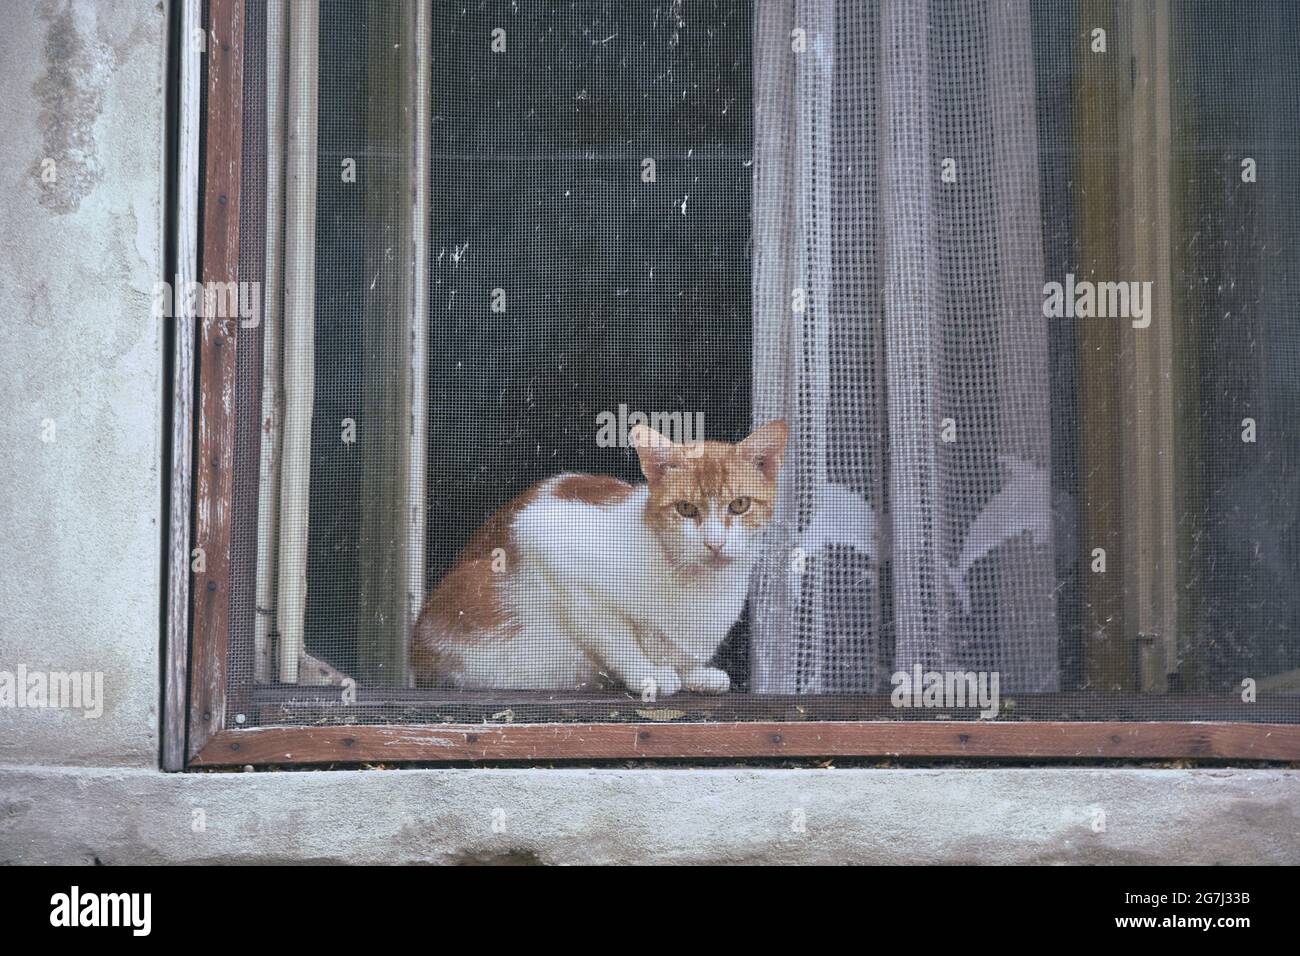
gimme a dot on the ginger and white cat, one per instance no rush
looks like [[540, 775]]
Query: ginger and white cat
[[586, 581]]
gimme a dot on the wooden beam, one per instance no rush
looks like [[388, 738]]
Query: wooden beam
[[393, 429], [299, 333], [1148, 369], [1128, 375], [299, 706], [947, 739], [384, 434], [188, 120], [268, 494], [1102, 86], [417, 500], [218, 339]]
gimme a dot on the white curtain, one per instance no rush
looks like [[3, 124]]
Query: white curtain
[[898, 277]]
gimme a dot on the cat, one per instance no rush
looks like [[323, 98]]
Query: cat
[[586, 581]]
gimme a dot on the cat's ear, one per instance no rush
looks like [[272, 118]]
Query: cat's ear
[[656, 452], [764, 448]]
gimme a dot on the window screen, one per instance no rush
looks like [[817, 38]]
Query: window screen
[[1015, 278]]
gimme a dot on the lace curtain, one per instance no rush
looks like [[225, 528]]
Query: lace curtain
[[898, 327]]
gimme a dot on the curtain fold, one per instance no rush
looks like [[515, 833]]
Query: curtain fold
[[898, 274]]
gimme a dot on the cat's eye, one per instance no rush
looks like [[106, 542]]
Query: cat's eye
[[739, 505], [687, 510]]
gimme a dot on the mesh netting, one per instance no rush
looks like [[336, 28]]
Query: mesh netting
[[1017, 276]]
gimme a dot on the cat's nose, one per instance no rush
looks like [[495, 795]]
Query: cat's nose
[[715, 548]]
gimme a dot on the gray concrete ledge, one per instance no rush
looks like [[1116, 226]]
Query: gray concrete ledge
[[958, 816]]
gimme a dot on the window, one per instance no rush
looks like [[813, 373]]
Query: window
[[1015, 278]]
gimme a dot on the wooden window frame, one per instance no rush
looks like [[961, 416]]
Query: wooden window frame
[[195, 734]]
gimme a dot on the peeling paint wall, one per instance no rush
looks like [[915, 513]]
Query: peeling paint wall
[[81, 367]]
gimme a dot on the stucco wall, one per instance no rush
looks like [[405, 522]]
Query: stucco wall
[[653, 815], [82, 85], [80, 583]]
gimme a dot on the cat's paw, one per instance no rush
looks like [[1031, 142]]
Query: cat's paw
[[708, 680], [658, 682]]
